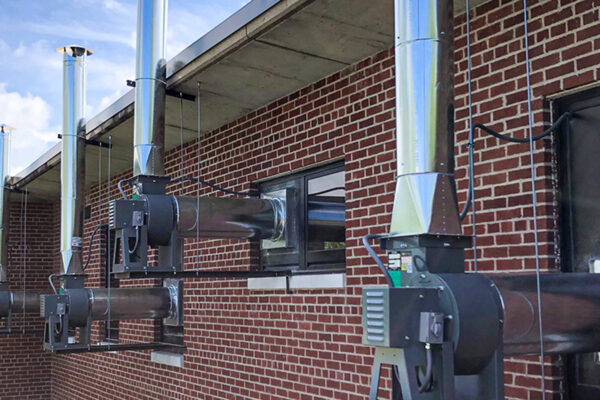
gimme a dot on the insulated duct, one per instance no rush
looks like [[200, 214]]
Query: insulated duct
[[72, 166], [5, 133], [425, 198], [150, 87]]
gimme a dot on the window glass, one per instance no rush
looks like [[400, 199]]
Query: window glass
[[315, 220]]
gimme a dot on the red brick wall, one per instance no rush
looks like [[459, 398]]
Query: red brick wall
[[564, 42], [267, 345], [270, 345], [24, 367]]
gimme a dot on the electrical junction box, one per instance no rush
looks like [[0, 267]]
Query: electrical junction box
[[392, 316]]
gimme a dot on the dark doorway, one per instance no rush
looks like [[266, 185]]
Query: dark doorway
[[578, 148]]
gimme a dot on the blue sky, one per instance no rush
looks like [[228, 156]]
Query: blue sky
[[30, 67]]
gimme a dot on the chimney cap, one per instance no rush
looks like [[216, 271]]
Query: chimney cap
[[6, 128], [74, 50]]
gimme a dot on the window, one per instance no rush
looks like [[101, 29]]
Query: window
[[579, 170], [315, 213]]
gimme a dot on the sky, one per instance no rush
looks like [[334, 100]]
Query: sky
[[31, 69]]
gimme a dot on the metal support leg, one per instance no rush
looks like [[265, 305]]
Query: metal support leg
[[405, 360], [375, 373]]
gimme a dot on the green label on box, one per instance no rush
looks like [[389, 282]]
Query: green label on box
[[396, 278]]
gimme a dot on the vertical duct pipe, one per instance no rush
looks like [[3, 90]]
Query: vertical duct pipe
[[150, 87], [72, 168], [425, 200], [5, 133]]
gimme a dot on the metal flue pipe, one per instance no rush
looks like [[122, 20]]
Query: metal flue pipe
[[224, 217], [150, 87], [5, 133], [124, 303], [72, 166], [571, 313], [425, 199]]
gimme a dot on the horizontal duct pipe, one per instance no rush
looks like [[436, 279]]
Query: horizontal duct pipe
[[570, 313], [124, 303], [28, 301], [135, 303], [224, 217], [12, 302]]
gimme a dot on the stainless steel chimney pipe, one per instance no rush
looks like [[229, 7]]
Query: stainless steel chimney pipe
[[72, 166], [5, 134], [150, 87], [425, 199]]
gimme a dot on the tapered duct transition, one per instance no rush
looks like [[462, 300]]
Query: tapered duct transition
[[150, 86], [72, 166], [5, 133], [425, 199]]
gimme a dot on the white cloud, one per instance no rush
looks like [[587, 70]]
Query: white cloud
[[30, 116], [81, 32], [114, 5]]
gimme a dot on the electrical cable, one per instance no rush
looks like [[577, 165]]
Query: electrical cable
[[375, 257], [427, 383], [213, 186], [565, 117], [50, 277], [327, 191], [89, 257], [120, 186], [534, 202], [542, 135], [136, 243]]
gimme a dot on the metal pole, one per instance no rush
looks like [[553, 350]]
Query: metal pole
[[150, 86], [5, 133], [72, 166]]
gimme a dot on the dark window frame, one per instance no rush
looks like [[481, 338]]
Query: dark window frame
[[302, 259], [577, 364]]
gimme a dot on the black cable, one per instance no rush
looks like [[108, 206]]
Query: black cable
[[489, 131], [50, 277], [89, 257], [216, 187], [542, 135], [375, 257], [120, 186], [327, 191], [427, 382], [137, 241]]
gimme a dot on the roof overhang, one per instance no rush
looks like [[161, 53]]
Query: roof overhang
[[266, 50]]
